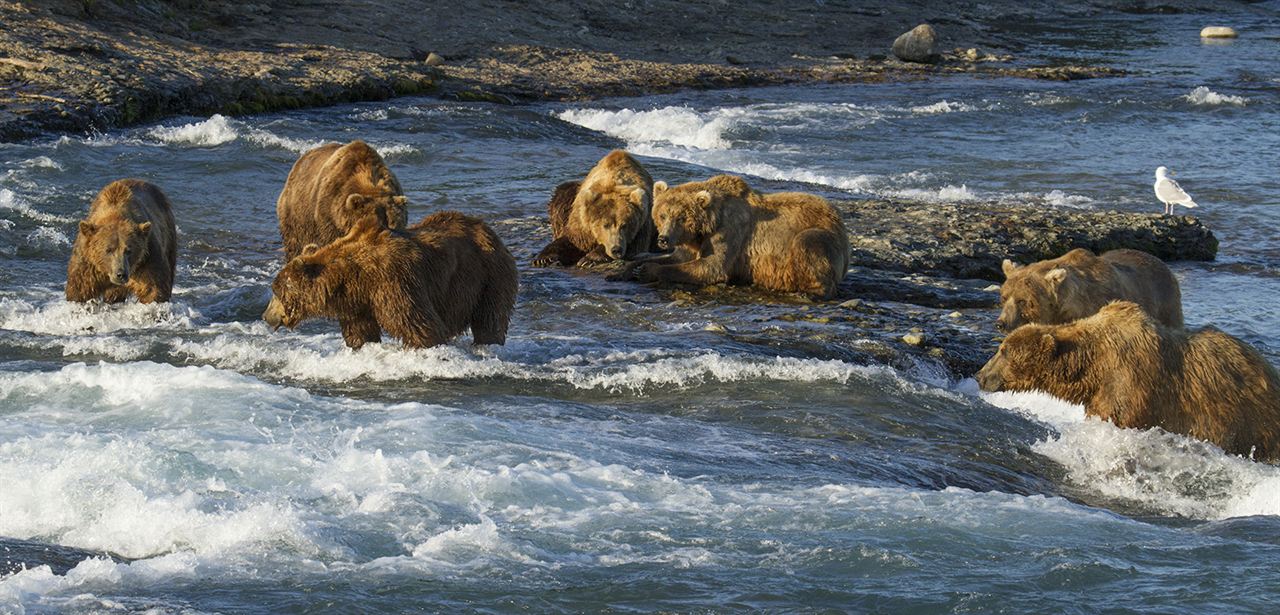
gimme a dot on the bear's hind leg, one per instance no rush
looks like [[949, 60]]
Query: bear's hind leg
[[816, 259], [489, 322]]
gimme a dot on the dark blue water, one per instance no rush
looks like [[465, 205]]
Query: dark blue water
[[623, 452]]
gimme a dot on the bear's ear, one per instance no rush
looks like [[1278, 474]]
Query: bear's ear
[[87, 228], [637, 196], [659, 186], [588, 195], [703, 198], [1048, 345], [1009, 267], [144, 228], [356, 201], [1055, 277], [312, 270], [310, 249], [400, 200]]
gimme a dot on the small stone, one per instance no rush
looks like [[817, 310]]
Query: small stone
[[716, 327], [1218, 32], [916, 45], [851, 304], [913, 339], [954, 315], [970, 54], [434, 59], [735, 60], [994, 288]]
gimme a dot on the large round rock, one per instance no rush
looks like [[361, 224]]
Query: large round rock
[[916, 45]]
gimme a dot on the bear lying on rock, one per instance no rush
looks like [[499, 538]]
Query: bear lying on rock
[[424, 285], [1126, 368], [1079, 283], [333, 187], [127, 244], [604, 217], [720, 230]]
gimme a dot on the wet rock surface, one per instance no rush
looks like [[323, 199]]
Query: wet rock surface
[[970, 240], [17, 555]]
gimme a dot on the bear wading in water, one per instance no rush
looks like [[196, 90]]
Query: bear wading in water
[[722, 231], [424, 285], [604, 217], [1126, 368], [333, 187], [127, 244], [1078, 284]]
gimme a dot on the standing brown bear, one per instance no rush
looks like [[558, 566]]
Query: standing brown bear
[[424, 285], [1079, 283], [604, 217], [1126, 368], [721, 230], [333, 187], [127, 244]]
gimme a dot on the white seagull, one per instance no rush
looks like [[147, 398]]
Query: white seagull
[[1170, 193]]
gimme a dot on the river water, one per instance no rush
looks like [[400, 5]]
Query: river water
[[623, 452]]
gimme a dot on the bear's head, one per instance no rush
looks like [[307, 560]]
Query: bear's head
[[1025, 361], [615, 214], [1032, 294], [687, 214], [321, 281], [388, 210], [1058, 359], [115, 246]]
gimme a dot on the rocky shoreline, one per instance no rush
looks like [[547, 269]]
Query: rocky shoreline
[[93, 65]]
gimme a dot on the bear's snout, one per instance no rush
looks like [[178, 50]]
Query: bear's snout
[[663, 242], [989, 377], [274, 314], [616, 252]]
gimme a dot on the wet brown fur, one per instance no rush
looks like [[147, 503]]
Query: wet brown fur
[[603, 217], [333, 187], [424, 285], [1126, 368], [721, 230], [1079, 283], [129, 231]]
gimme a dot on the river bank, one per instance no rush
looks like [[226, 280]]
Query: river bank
[[81, 66]]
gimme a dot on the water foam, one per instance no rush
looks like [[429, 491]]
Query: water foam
[[58, 317], [214, 131], [1203, 96], [11, 201], [678, 126], [48, 237], [1151, 469]]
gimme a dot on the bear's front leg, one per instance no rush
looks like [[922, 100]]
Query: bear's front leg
[[700, 272], [596, 256], [357, 332], [115, 294], [561, 252], [151, 286]]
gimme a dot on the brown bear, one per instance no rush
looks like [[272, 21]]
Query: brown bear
[[601, 218], [127, 244], [330, 189], [424, 285], [1079, 283], [721, 230], [1126, 368]]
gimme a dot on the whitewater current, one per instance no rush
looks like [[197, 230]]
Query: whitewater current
[[623, 452]]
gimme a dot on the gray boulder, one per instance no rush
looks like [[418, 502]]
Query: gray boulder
[[916, 45]]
